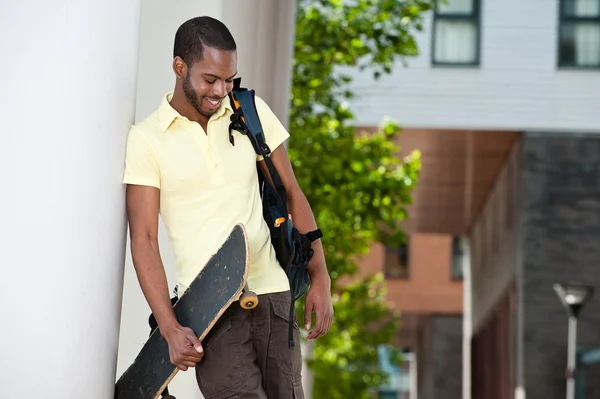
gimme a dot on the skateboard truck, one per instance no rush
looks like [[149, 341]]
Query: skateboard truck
[[249, 299]]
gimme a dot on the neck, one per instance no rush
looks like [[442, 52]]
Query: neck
[[180, 103]]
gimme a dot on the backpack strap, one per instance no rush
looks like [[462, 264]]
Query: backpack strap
[[245, 120]]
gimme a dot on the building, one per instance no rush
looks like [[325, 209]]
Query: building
[[503, 103]]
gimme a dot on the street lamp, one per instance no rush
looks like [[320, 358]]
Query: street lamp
[[573, 297]]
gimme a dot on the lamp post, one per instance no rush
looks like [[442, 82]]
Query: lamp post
[[573, 297]]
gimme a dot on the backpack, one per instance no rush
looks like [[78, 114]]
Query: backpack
[[292, 248]]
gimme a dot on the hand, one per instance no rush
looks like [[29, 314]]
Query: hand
[[184, 348], [318, 300]]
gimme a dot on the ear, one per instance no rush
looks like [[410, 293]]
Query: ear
[[179, 67]]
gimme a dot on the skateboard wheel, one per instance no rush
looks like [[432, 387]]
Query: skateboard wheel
[[248, 300]]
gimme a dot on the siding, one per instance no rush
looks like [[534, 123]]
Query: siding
[[517, 86]]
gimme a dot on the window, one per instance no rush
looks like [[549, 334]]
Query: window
[[401, 378], [456, 33], [459, 256], [579, 36], [396, 261]]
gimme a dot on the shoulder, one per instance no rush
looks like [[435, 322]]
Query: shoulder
[[263, 109], [148, 127], [275, 132], [146, 133]]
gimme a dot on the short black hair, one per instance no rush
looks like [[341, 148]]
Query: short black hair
[[194, 34]]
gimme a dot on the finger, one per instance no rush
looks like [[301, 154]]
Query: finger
[[198, 347], [314, 334], [193, 357], [192, 353], [326, 324], [191, 337], [319, 331], [192, 360], [308, 308], [182, 367], [188, 363], [323, 328], [193, 350], [319, 323]]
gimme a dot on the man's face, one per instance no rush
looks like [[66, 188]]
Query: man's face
[[209, 81]]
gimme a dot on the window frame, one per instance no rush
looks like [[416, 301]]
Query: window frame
[[475, 15], [562, 19]]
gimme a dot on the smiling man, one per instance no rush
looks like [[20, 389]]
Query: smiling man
[[181, 164]]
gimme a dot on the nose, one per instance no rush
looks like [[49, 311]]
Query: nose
[[219, 89]]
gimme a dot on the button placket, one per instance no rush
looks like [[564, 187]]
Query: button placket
[[216, 161]]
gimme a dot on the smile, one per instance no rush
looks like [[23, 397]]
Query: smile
[[214, 103]]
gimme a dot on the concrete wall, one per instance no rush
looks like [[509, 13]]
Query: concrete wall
[[494, 242], [261, 53], [68, 76], [516, 87], [560, 182]]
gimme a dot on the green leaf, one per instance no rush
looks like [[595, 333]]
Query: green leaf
[[357, 187]]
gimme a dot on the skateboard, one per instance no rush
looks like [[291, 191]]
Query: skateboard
[[216, 287]]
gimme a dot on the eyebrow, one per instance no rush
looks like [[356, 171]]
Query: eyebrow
[[210, 75]]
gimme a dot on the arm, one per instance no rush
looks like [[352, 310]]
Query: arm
[[299, 208], [318, 299], [142, 211]]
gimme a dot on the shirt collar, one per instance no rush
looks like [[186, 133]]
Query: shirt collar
[[167, 114]]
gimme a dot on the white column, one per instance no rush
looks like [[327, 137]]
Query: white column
[[264, 33], [264, 62], [467, 319], [467, 271], [68, 78]]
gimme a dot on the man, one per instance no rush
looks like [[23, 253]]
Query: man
[[181, 163]]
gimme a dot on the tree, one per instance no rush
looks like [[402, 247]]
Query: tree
[[357, 186]]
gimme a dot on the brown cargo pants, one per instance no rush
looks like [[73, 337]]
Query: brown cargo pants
[[246, 354]]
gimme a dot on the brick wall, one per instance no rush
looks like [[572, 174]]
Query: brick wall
[[429, 287], [560, 221]]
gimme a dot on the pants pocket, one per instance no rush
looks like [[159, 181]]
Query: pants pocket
[[288, 360], [219, 374], [298, 391]]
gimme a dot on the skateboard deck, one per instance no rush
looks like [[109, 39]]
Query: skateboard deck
[[215, 288]]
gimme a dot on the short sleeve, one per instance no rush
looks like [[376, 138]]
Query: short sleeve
[[275, 133], [141, 164]]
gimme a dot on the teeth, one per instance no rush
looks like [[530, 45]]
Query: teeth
[[213, 102]]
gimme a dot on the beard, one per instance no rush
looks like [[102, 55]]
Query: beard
[[192, 97]]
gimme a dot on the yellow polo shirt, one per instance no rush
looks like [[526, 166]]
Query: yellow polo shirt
[[207, 186]]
